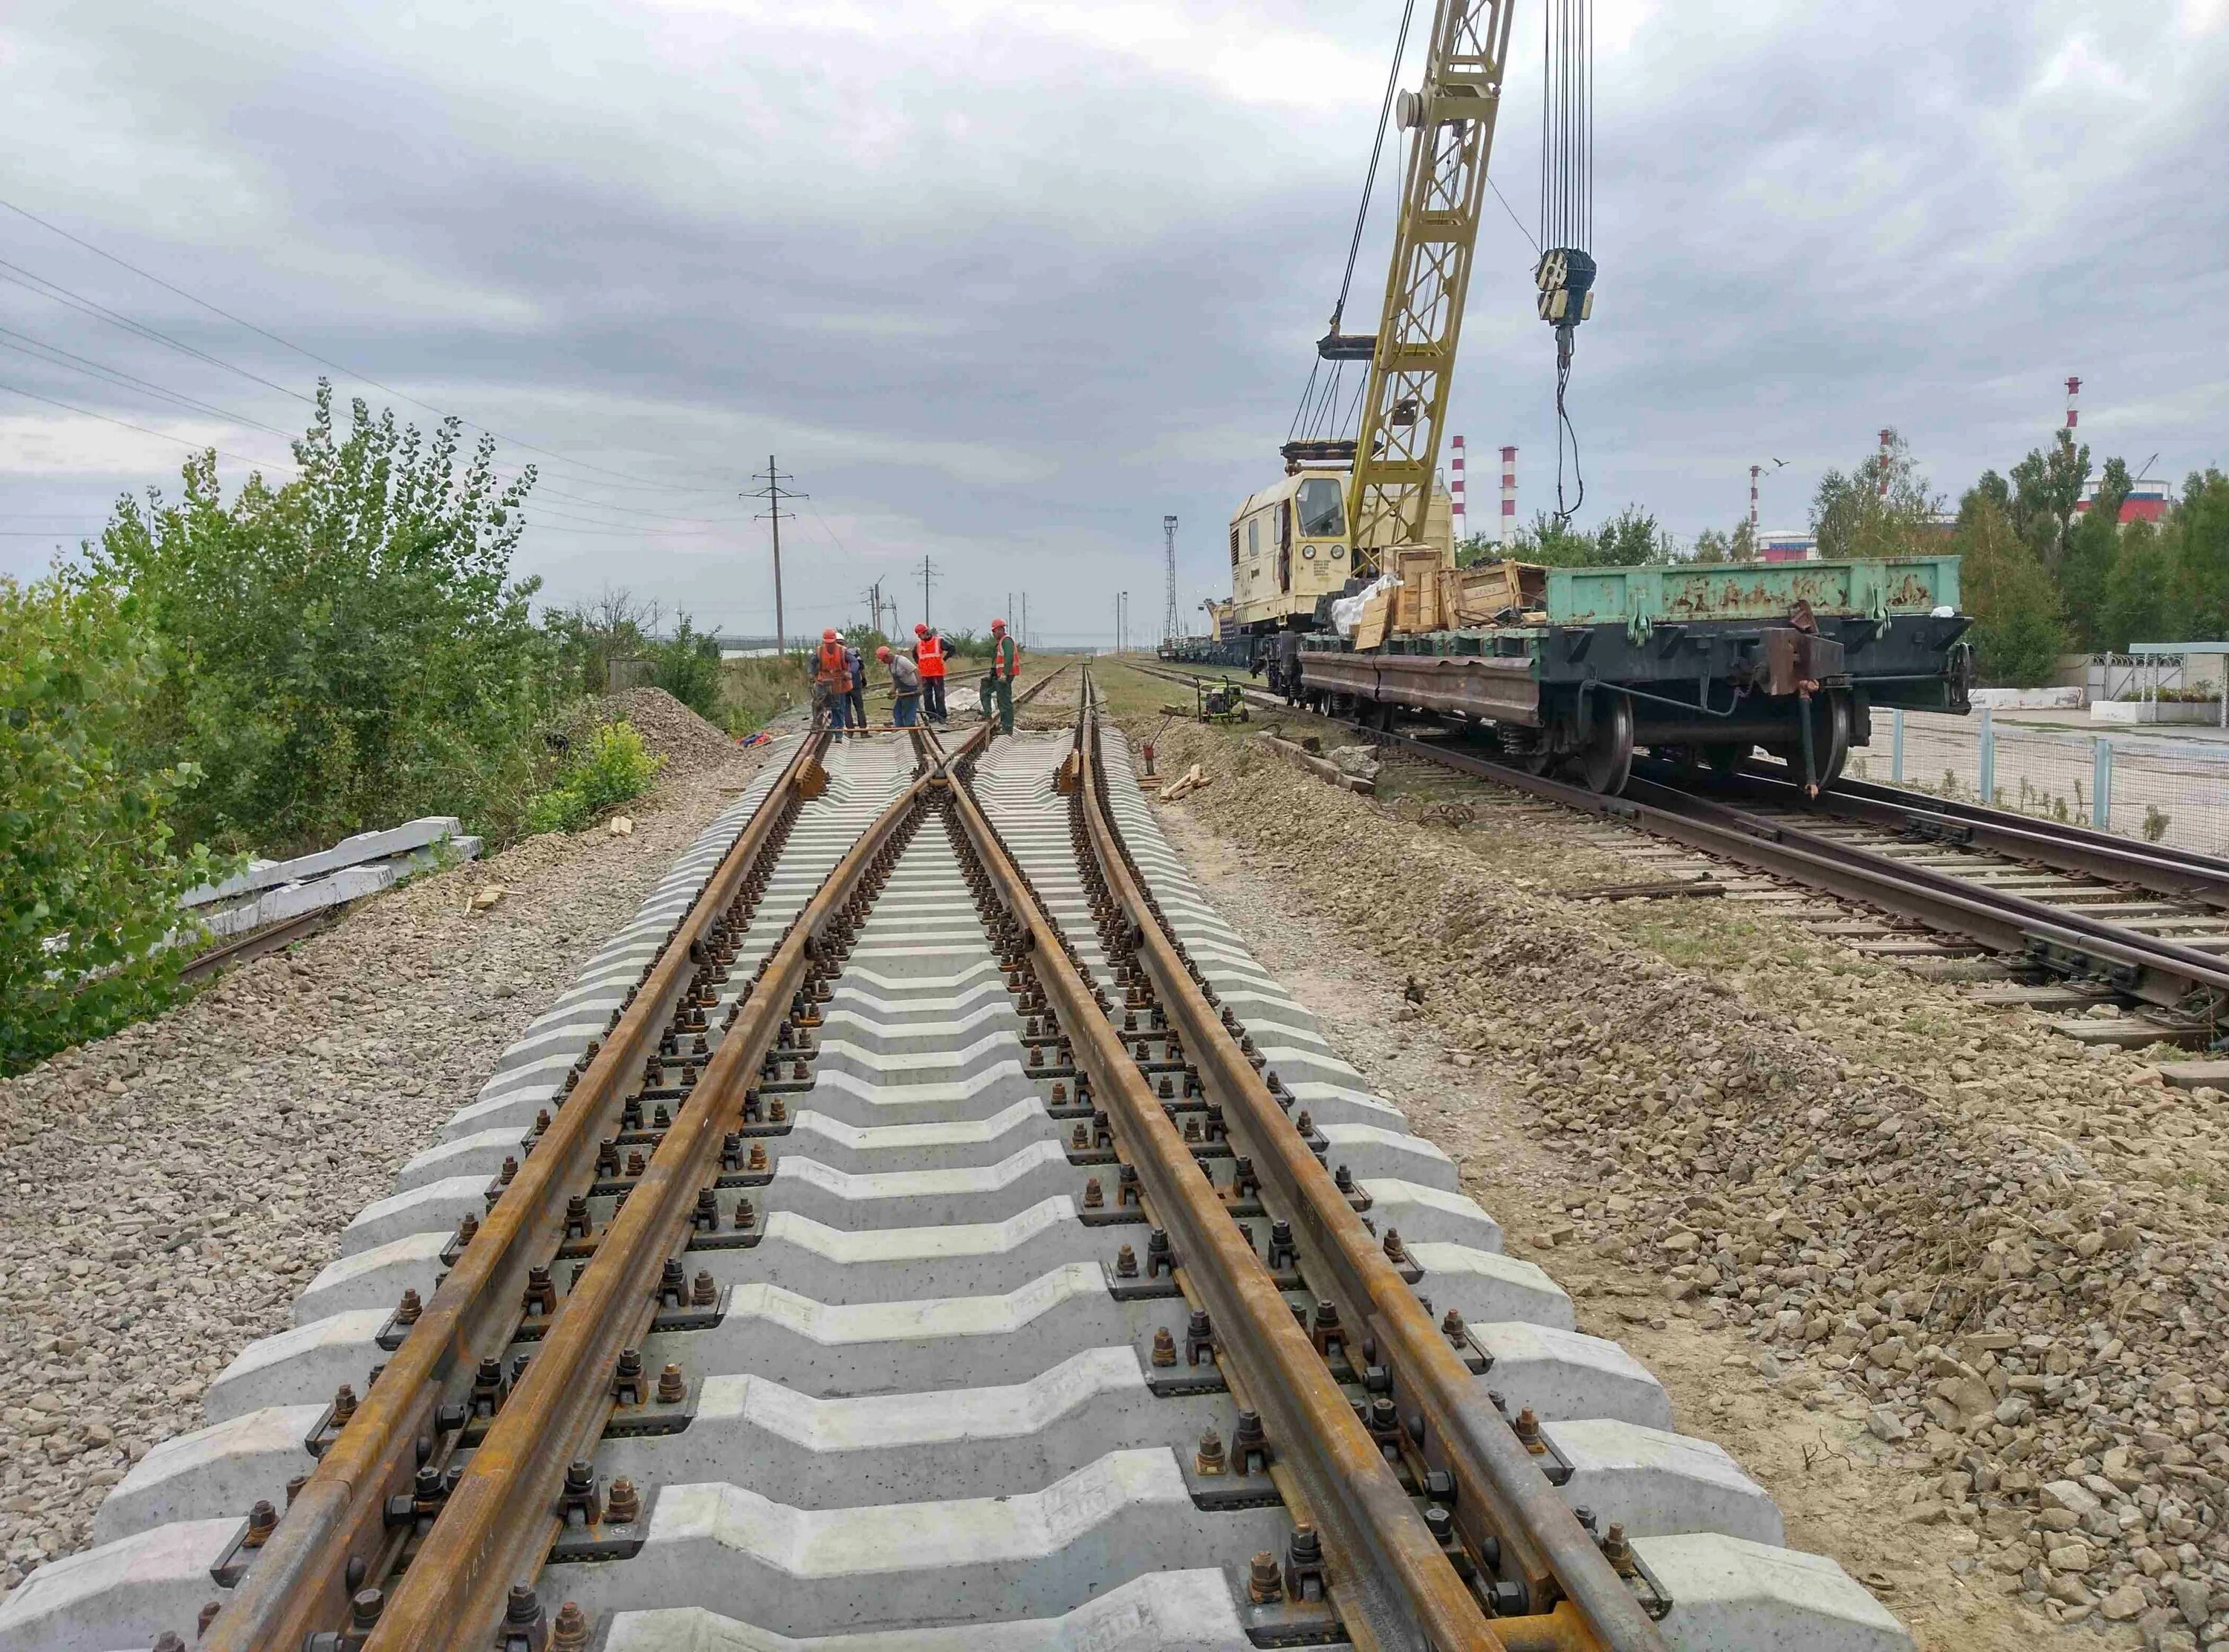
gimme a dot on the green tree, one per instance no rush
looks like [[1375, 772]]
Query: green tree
[[1475, 548], [2198, 583], [1631, 538], [687, 666], [347, 650], [593, 636], [1852, 515], [2135, 590], [2047, 486], [2019, 629], [89, 879], [1741, 544], [2086, 567], [1713, 545]]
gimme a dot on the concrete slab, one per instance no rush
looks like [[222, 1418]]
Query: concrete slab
[[895, 1566], [1166, 1611]]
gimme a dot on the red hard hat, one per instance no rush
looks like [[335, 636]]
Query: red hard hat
[[828, 636], [998, 624], [883, 652], [920, 631]]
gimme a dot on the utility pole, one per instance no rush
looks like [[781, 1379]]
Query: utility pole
[[773, 493], [1172, 622], [1025, 619]]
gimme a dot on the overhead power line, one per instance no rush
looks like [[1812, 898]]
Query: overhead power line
[[39, 350], [125, 423], [310, 354]]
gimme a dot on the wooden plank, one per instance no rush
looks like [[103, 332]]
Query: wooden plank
[[1322, 767]]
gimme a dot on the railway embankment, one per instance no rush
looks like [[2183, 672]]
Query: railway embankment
[[170, 1190], [1953, 1285]]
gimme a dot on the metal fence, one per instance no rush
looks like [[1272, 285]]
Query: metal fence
[[2157, 789]]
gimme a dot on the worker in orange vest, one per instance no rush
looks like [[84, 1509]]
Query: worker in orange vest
[[998, 681], [831, 680], [929, 655]]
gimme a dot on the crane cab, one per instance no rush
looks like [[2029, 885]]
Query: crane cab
[[1290, 548]]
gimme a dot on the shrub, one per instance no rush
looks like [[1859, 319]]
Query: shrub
[[687, 666], [89, 885], [609, 767], [345, 651]]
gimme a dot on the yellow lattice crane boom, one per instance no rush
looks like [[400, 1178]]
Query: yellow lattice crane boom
[[1412, 357]]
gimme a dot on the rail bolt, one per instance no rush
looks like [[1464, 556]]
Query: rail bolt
[[1265, 1582], [1304, 1565], [569, 1632]]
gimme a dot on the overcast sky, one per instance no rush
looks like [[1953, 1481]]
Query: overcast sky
[[1001, 284]]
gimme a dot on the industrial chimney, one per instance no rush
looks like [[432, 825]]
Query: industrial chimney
[[1508, 499], [1455, 491]]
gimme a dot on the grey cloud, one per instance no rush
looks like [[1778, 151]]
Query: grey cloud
[[1006, 294]]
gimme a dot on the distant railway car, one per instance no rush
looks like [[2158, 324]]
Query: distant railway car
[[1289, 549], [1705, 661]]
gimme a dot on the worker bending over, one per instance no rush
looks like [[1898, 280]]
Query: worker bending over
[[905, 686], [831, 680], [929, 655], [998, 681]]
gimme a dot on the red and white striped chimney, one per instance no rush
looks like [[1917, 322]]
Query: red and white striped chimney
[[1508, 497], [1455, 491], [1886, 437], [2073, 389], [1753, 470]]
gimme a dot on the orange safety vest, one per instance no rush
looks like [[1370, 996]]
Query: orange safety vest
[[833, 673], [1006, 658], [928, 653]]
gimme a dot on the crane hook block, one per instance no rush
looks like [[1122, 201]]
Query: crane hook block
[[1565, 277]]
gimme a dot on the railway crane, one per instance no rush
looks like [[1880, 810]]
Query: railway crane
[[1345, 504]]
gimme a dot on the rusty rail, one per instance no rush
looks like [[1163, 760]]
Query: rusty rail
[[1390, 1577], [1502, 1496], [497, 1527], [300, 1581]]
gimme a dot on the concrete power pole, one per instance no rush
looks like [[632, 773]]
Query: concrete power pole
[[927, 571], [773, 493], [1172, 621]]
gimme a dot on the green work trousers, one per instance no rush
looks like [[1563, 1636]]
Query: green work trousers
[[1001, 689]]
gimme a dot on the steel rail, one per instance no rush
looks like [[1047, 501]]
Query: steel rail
[[2184, 873], [299, 1582], [2160, 972], [1502, 1494], [496, 1527], [1386, 1565]]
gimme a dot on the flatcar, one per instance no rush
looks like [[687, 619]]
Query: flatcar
[[1581, 667]]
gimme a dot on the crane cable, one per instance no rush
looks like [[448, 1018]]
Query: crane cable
[[1566, 270], [1361, 217]]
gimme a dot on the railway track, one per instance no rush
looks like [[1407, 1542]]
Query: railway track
[[926, 1227], [2099, 918]]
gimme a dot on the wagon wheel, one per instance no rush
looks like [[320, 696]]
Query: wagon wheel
[[1607, 761]]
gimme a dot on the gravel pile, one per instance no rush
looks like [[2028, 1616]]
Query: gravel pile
[[2001, 1250], [169, 1190], [691, 744]]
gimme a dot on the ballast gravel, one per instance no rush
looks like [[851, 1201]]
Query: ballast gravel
[[166, 1192], [1995, 1255]]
